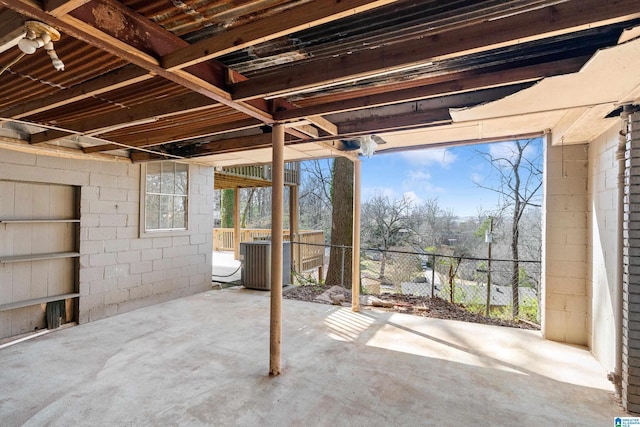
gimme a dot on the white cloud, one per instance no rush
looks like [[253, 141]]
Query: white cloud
[[418, 175], [427, 157], [412, 197], [419, 183]]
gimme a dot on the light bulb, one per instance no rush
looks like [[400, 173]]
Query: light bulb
[[28, 46]]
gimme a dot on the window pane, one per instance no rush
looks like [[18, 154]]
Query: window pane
[[168, 178], [153, 178], [179, 221], [166, 220], [179, 204], [152, 220], [181, 178], [166, 203], [153, 203], [167, 196]]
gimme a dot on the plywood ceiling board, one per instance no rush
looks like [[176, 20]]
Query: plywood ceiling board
[[610, 75]]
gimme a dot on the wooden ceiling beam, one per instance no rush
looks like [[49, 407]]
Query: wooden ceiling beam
[[424, 88], [287, 22], [419, 113], [510, 30], [11, 24], [100, 39], [396, 122]]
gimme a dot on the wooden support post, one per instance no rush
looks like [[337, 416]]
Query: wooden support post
[[293, 228], [277, 197], [355, 253], [236, 223]]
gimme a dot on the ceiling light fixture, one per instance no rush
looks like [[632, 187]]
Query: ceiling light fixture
[[41, 35]]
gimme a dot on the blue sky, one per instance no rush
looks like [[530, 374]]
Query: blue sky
[[447, 174]]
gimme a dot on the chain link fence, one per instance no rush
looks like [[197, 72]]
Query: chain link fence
[[480, 285]]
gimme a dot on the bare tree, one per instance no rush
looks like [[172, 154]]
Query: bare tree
[[315, 194], [385, 224], [519, 171]]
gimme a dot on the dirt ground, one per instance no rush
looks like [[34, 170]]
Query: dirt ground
[[409, 304]]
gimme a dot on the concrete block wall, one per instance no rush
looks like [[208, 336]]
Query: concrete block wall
[[603, 287], [564, 246], [120, 271], [631, 271]]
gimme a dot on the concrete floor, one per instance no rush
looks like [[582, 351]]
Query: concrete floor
[[203, 360]]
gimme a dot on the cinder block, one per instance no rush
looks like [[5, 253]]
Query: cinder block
[[91, 301], [127, 232], [102, 233], [116, 296], [130, 281], [116, 245], [92, 273], [162, 242], [141, 267], [142, 291], [150, 254], [113, 220], [101, 180], [100, 260], [137, 244], [118, 270], [181, 241], [129, 257]]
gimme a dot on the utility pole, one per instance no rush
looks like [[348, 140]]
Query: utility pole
[[488, 237]]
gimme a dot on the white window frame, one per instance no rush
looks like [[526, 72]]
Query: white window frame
[[143, 207]]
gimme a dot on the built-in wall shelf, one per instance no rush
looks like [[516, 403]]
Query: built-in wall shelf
[[31, 221], [35, 301], [37, 257]]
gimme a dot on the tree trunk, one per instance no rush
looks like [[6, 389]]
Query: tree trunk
[[383, 263], [226, 217], [341, 224], [243, 221]]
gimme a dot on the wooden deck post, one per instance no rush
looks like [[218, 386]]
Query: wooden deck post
[[355, 254], [277, 197], [296, 260], [236, 223]]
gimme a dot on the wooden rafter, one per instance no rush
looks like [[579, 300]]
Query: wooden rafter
[[432, 87], [96, 37], [485, 36], [289, 21]]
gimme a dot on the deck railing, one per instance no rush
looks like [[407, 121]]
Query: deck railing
[[307, 254], [264, 172]]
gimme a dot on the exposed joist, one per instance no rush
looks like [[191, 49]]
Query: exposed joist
[[396, 122], [462, 81], [214, 147], [80, 30], [299, 18], [179, 105], [510, 30], [115, 80], [172, 134], [419, 113], [10, 22]]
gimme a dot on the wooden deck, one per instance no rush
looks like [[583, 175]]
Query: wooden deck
[[307, 247]]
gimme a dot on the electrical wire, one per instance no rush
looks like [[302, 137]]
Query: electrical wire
[[229, 275], [12, 63]]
